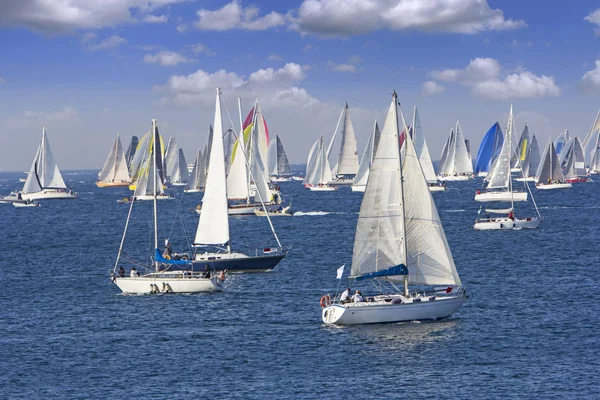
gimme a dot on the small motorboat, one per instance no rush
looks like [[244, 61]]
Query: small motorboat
[[284, 212], [26, 203]]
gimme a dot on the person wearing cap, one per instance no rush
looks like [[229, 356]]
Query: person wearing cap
[[345, 297]]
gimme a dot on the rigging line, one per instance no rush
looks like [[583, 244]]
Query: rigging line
[[252, 175]]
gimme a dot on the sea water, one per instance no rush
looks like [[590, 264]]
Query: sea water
[[528, 330]]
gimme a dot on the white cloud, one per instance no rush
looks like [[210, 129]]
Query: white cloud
[[594, 18], [341, 67], [274, 57], [307, 47], [431, 88], [487, 80], [591, 79], [110, 43], [62, 17], [181, 28], [67, 113], [200, 48], [273, 86], [234, 16], [349, 17], [155, 19], [166, 58]]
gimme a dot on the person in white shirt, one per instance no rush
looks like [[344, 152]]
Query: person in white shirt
[[345, 296], [357, 297], [134, 273]]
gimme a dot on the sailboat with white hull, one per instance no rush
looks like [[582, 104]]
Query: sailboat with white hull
[[167, 275], [346, 168], [318, 171], [500, 178], [531, 162], [212, 240], [549, 174], [399, 238], [197, 178], [278, 164], [115, 171], [455, 163]]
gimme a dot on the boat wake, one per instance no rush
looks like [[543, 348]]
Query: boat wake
[[454, 211], [310, 213]]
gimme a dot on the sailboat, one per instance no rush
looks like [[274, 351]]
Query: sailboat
[[424, 156], [167, 275], [500, 178], [591, 143], [499, 181], [360, 180], [520, 151], [347, 165], [278, 164], [197, 178], [489, 149], [213, 225], [455, 164], [44, 180], [531, 162], [131, 150], [150, 186], [575, 171], [549, 174], [399, 238], [561, 142], [180, 174], [115, 171], [318, 171]]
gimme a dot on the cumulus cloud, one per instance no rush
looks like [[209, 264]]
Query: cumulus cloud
[[67, 113], [341, 67], [200, 48], [155, 19], [487, 80], [63, 17], [594, 18], [166, 58], [274, 86], [350, 17], [234, 16], [431, 88], [109, 43], [591, 79], [274, 57]]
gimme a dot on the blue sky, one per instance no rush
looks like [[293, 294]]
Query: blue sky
[[88, 70]]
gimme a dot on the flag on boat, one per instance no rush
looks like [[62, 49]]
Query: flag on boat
[[340, 272]]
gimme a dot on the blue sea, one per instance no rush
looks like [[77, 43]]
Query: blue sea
[[528, 330]]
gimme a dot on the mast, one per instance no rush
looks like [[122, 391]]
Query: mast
[[154, 189], [405, 245], [250, 152], [509, 134]]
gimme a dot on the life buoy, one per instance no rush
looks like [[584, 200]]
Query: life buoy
[[325, 301], [167, 257]]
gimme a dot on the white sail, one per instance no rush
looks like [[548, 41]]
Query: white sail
[[197, 179], [228, 143], [311, 164], [462, 161], [444, 156], [518, 156], [171, 161], [576, 162], [367, 159], [44, 172], [532, 159], [138, 158], [499, 176], [262, 136], [180, 173], [278, 163], [348, 157], [237, 179], [115, 167], [549, 169], [146, 183], [394, 210], [213, 226], [422, 149], [257, 167]]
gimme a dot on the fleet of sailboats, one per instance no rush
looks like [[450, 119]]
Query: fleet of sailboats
[[455, 163], [115, 171]]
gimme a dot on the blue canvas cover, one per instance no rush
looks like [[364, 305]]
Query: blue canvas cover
[[163, 260], [399, 269]]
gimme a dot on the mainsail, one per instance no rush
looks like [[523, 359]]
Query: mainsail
[[575, 166], [549, 169], [532, 159], [347, 162], [197, 178], [44, 172], [277, 158], [521, 150], [115, 168], [367, 157]]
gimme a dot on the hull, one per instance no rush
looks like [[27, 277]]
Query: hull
[[322, 188], [245, 209], [237, 262], [281, 179], [11, 198], [47, 194], [149, 197], [194, 190], [297, 178], [111, 184], [501, 196], [163, 283], [358, 188], [482, 174], [386, 312], [342, 182], [579, 179], [19, 204], [506, 224], [549, 186], [528, 179], [454, 177], [437, 188]]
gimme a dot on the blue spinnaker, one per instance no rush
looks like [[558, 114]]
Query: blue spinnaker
[[489, 149]]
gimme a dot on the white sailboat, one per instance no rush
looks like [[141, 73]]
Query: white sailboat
[[399, 238], [167, 275], [590, 147], [424, 156], [531, 162], [278, 163], [360, 180], [549, 174], [151, 182], [212, 234], [318, 170], [574, 170], [115, 171], [500, 178], [171, 161], [44, 180], [518, 157], [347, 165], [455, 164], [180, 174], [197, 179]]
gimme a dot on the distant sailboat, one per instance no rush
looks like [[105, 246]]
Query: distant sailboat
[[520, 151], [318, 170], [197, 179], [115, 171], [360, 180], [562, 143], [180, 174], [44, 180], [424, 156], [531, 162], [151, 182], [489, 149], [347, 162], [391, 246], [549, 174], [500, 188], [591, 143], [455, 164], [131, 150], [575, 171], [278, 164]]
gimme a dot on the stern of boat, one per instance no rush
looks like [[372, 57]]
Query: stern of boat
[[332, 314]]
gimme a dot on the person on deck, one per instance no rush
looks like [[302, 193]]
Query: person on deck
[[122, 272], [133, 273], [168, 251], [511, 215], [345, 296], [357, 297], [206, 273]]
